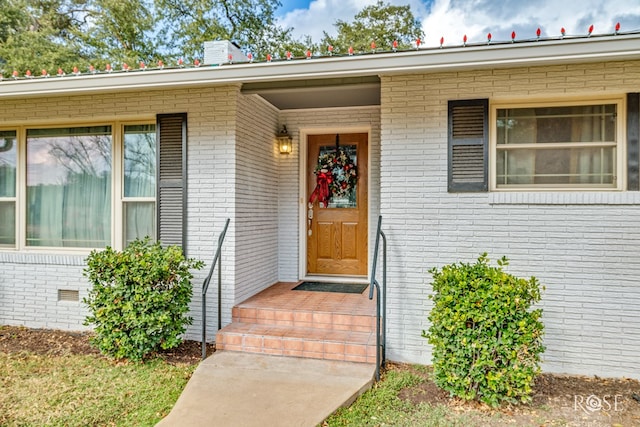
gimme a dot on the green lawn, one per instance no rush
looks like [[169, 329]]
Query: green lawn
[[72, 390], [402, 399], [89, 390], [382, 406]]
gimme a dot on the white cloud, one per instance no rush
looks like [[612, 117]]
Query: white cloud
[[476, 18], [452, 19], [320, 17]]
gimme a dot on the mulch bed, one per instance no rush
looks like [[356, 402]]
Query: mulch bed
[[567, 400], [15, 339]]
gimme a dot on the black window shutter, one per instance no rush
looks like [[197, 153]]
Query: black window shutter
[[468, 137], [633, 143], [172, 178]]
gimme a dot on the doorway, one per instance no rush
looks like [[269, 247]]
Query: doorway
[[337, 204]]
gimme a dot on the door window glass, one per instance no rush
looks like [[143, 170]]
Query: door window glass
[[346, 195]]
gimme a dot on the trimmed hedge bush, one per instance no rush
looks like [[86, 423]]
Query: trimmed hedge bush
[[140, 298], [486, 339]]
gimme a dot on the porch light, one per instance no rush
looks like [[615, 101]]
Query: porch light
[[284, 141]]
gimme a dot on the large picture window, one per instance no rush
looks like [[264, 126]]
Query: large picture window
[[81, 187], [69, 187], [565, 146]]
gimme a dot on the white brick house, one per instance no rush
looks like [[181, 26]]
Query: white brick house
[[547, 175]]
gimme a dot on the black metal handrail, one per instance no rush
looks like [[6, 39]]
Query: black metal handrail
[[381, 318], [205, 287]]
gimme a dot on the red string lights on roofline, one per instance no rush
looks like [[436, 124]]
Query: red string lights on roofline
[[394, 47]]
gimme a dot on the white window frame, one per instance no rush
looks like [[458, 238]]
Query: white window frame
[[117, 185], [121, 198], [16, 197], [620, 170]]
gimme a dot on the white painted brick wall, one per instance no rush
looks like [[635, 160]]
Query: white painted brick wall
[[256, 197], [211, 182], [584, 247], [291, 201], [29, 281], [28, 300]]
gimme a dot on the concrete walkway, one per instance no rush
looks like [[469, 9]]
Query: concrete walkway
[[244, 389]]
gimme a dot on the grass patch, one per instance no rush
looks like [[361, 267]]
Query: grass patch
[[81, 390], [384, 406], [380, 405]]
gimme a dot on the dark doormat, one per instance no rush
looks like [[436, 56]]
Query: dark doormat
[[345, 288]]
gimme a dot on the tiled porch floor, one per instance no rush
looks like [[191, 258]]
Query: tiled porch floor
[[321, 325]]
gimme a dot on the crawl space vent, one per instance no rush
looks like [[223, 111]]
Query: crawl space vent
[[68, 295]]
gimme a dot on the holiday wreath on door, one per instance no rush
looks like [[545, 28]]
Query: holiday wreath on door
[[336, 176]]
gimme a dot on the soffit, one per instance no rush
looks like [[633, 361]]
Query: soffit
[[320, 93]]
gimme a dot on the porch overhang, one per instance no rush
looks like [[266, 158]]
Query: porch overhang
[[324, 93], [480, 56]]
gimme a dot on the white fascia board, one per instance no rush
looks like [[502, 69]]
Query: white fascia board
[[533, 53]]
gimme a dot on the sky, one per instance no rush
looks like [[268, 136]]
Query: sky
[[453, 19]]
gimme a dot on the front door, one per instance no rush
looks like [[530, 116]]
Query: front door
[[337, 232]]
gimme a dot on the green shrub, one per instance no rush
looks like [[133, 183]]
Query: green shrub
[[486, 339], [139, 299]]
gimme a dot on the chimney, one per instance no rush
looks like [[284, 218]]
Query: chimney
[[217, 52]]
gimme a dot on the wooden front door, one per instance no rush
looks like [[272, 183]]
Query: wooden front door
[[337, 235]]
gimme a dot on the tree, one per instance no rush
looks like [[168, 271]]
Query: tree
[[381, 23], [12, 18], [249, 23], [121, 31], [39, 34]]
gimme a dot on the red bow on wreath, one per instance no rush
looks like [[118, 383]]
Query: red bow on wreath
[[321, 192]]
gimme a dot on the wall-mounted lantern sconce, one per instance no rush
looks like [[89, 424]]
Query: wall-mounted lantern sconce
[[284, 141]]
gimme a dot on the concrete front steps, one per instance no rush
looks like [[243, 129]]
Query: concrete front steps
[[319, 325]]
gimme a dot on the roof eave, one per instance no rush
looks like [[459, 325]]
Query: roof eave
[[506, 55]]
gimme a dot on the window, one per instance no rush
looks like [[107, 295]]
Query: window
[[68, 197], [82, 187], [139, 194], [558, 146], [8, 157]]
